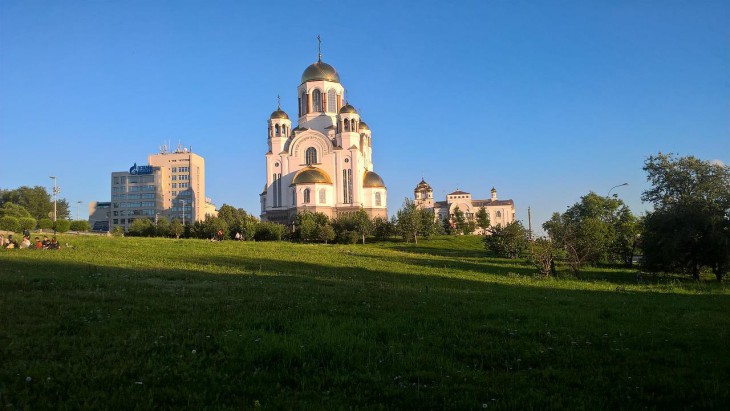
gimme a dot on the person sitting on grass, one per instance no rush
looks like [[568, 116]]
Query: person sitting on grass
[[53, 245], [10, 242], [26, 242], [38, 243], [46, 242]]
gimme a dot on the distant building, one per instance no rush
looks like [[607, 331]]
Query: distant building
[[99, 213], [501, 212], [172, 185], [325, 163]]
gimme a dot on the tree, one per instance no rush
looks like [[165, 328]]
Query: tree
[[383, 228], [36, 200], [45, 224], [176, 228], [482, 217], [509, 241], [309, 226], [595, 229], [62, 225], [459, 220], [27, 223], [9, 223], [268, 231], [409, 221], [363, 225], [542, 254], [448, 227], [429, 223], [141, 227], [13, 210], [79, 225], [162, 228], [690, 226]]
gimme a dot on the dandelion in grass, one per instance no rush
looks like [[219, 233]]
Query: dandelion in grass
[[194, 351], [28, 379]]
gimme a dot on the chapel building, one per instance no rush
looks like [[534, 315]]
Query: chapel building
[[501, 212], [325, 163]]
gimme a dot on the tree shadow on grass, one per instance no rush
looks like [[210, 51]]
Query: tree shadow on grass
[[356, 332]]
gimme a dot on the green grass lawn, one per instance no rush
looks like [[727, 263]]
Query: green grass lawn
[[123, 323]]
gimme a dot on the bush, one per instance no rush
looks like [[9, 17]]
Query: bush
[[142, 227], [9, 223], [79, 225], [62, 226], [45, 224], [27, 223], [347, 237], [268, 232], [118, 231], [508, 241]]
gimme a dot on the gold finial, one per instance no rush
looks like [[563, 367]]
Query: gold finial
[[319, 48], [278, 102]]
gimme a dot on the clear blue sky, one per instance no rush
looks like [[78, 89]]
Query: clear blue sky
[[544, 100]]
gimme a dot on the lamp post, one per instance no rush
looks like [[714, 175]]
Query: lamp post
[[56, 190], [78, 206], [620, 185], [183, 211]]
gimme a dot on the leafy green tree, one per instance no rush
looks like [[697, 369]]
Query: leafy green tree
[[308, 225], [45, 224], [13, 210], [509, 241], [459, 220], [429, 224], [9, 223], [62, 226], [383, 228], [79, 225], [325, 233], [162, 228], [141, 227], [690, 226], [482, 217], [36, 200], [27, 223], [118, 231], [448, 227], [409, 221], [176, 228], [363, 225], [268, 231], [346, 229], [542, 253]]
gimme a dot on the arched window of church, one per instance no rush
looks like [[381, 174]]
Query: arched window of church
[[352, 125], [303, 100], [317, 101], [322, 196], [293, 197], [499, 214], [311, 156], [378, 201], [347, 125], [277, 132], [306, 196], [332, 101]]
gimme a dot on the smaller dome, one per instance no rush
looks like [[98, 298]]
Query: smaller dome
[[423, 184], [371, 179], [364, 126], [347, 108], [311, 175], [278, 114]]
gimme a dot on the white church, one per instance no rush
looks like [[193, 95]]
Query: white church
[[325, 163]]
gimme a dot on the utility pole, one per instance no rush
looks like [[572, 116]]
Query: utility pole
[[56, 190], [529, 223]]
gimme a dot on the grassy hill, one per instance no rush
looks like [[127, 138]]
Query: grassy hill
[[124, 323]]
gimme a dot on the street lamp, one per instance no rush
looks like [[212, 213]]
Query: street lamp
[[183, 211], [56, 190], [78, 206], [620, 185]]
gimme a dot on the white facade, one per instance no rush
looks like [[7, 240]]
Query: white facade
[[501, 212], [324, 164]]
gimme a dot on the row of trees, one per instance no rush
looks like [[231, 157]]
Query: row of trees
[[36, 201], [688, 230], [16, 218]]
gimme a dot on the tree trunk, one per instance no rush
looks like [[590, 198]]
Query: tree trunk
[[696, 272]]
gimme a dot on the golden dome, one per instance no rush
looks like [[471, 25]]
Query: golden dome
[[279, 113], [320, 71], [371, 179], [364, 126], [423, 185], [347, 108], [311, 175]]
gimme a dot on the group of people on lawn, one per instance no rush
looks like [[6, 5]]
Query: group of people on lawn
[[46, 244]]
